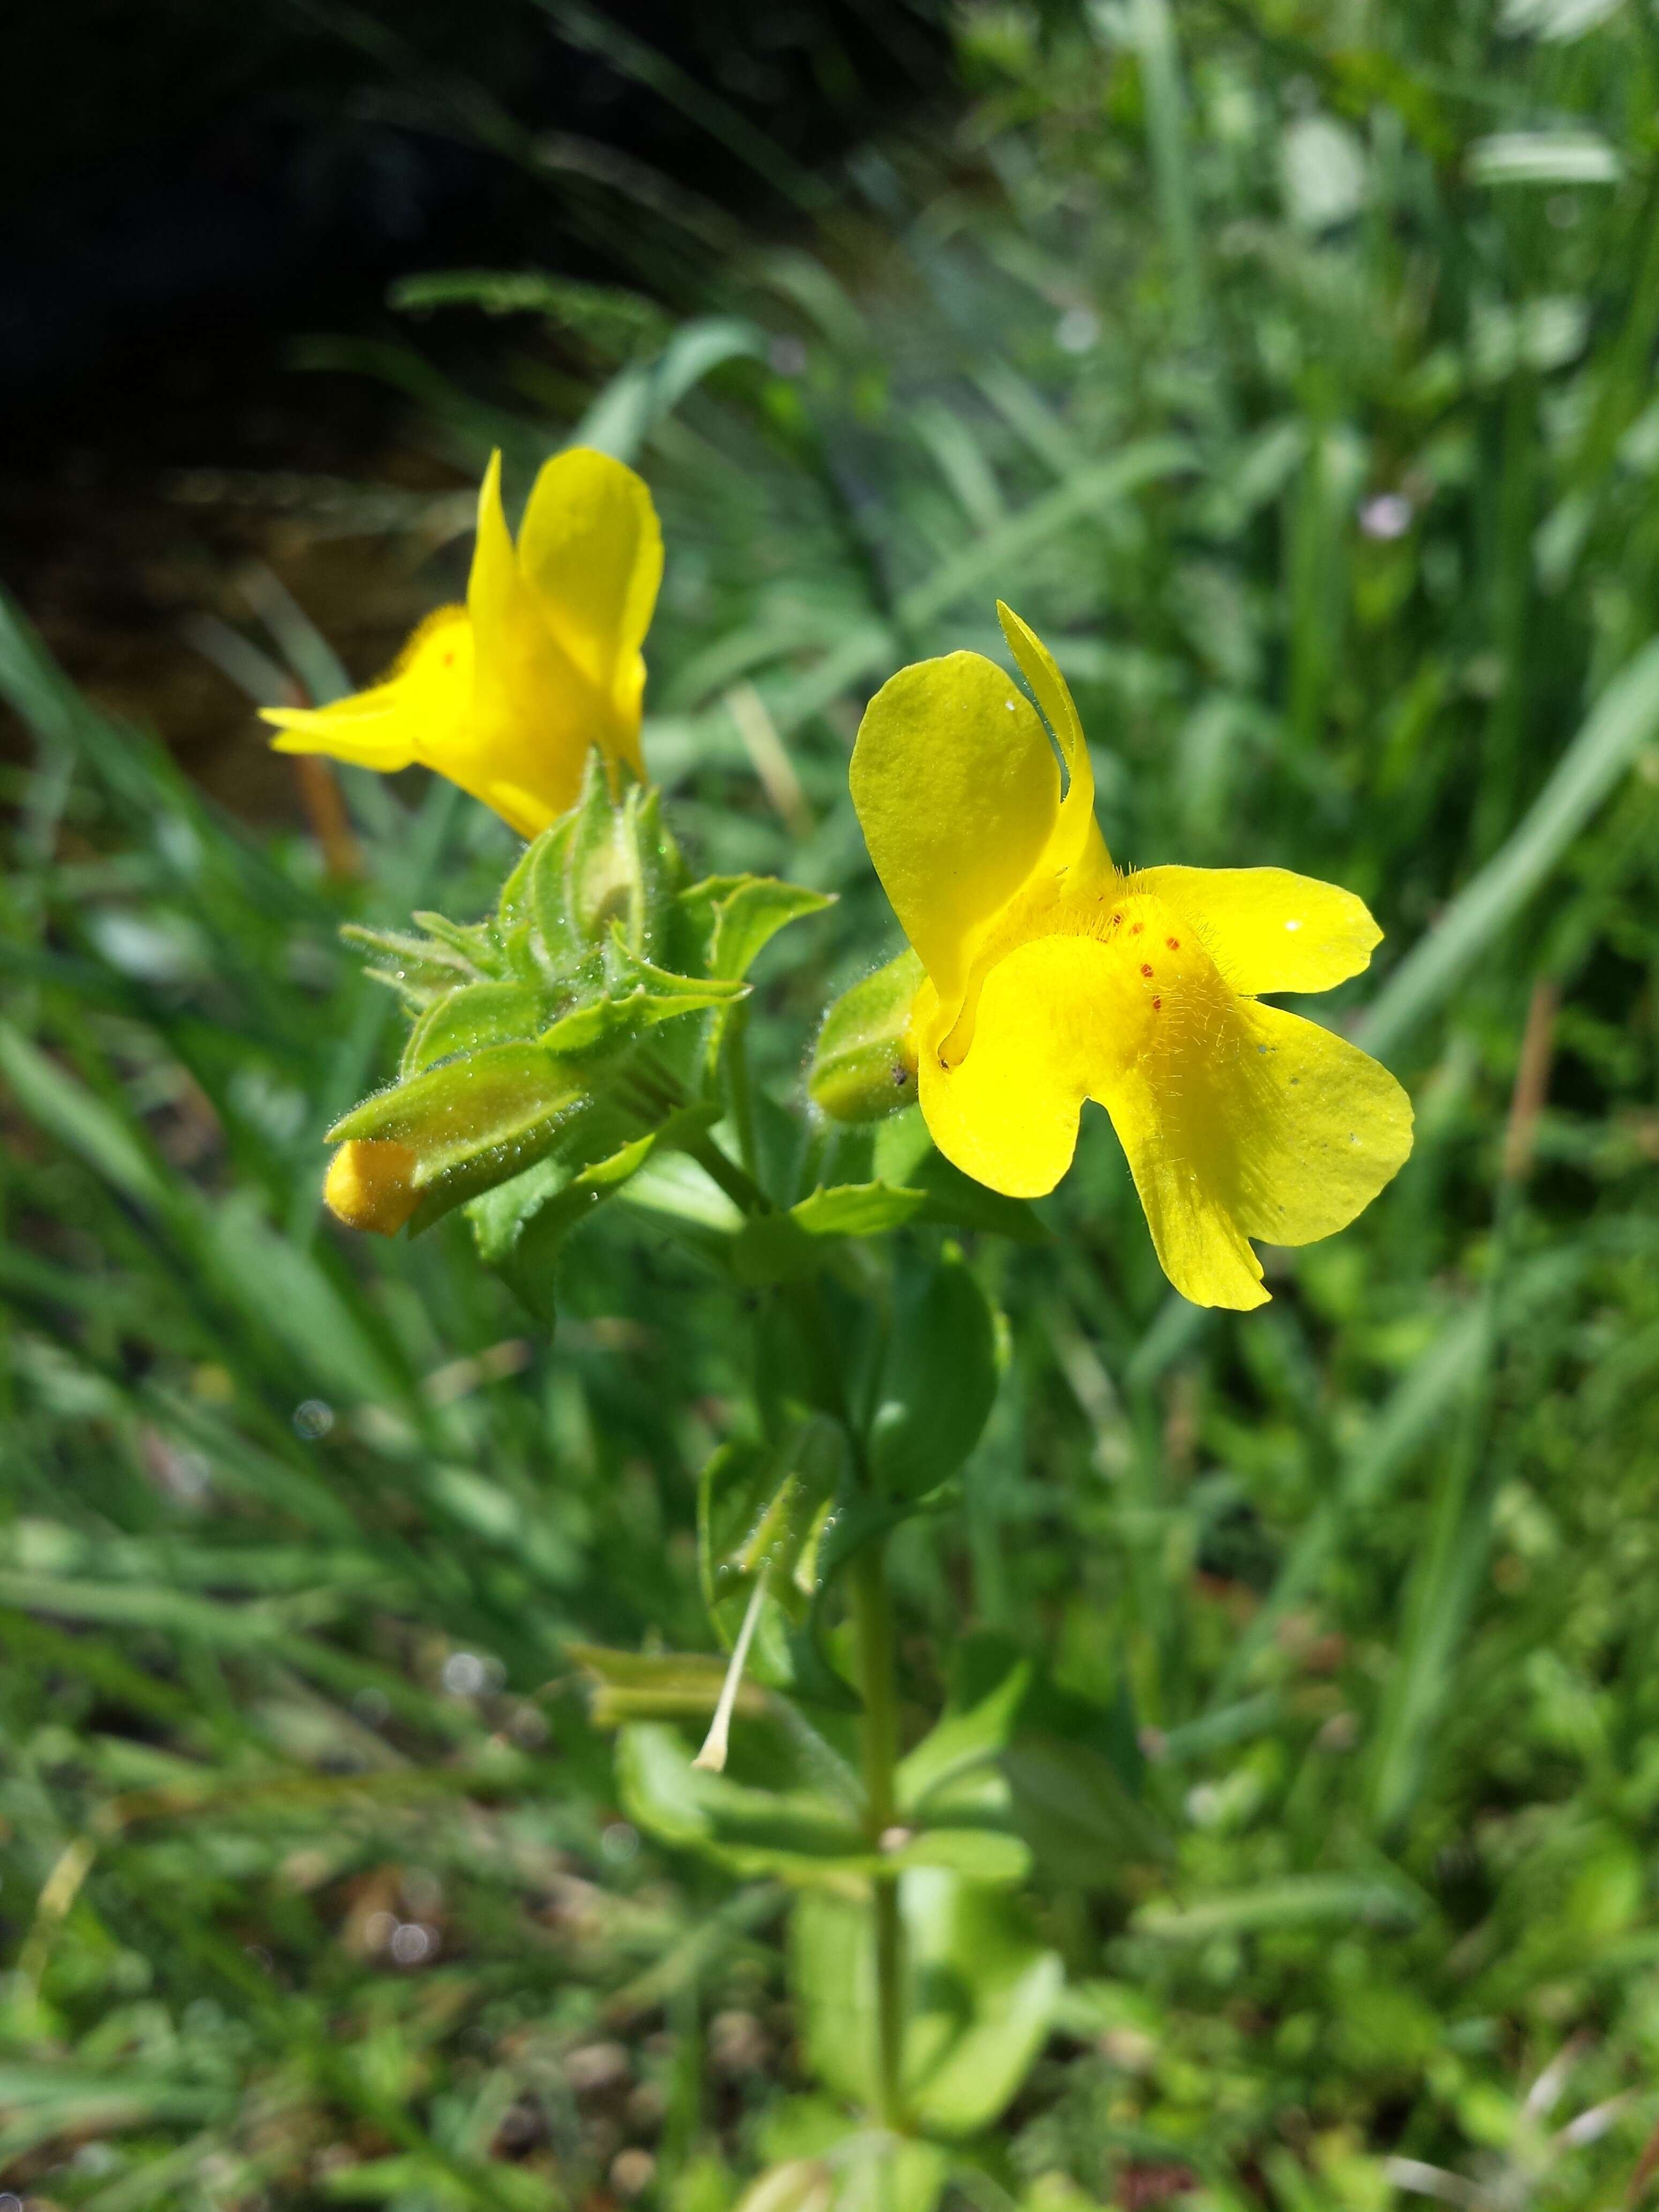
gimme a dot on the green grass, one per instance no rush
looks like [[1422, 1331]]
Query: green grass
[[297, 1527]]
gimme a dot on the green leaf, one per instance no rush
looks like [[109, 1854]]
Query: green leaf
[[980, 1855], [904, 1157], [1622, 720], [800, 1835], [736, 917], [961, 1742], [857, 1209], [1298, 1901], [980, 1993], [662, 1685], [843, 2170], [957, 1201], [760, 1511], [60, 1103], [520, 1226], [938, 1379], [772, 1248], [1078, 1813]]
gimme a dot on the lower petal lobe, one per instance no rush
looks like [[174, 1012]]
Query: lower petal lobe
[[1237, 1119], [422, 708]]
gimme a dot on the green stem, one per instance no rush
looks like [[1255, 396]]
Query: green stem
[[873, 1616], [740, 1091], [741, 1188]]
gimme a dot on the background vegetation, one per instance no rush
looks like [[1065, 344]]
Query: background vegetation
[[1292, 370]]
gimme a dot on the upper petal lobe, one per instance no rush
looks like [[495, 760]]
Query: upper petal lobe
[[1268, 930], [591, 552], [957, 791]]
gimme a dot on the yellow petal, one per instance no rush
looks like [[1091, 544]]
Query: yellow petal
[[426, 701], [535, 714], [1319, 1129], [957, 791], [1268, 930], [1285, 1132], [1076, 833], [370, 1185], [1007, 1113], [591, 551], [1237, 1119]]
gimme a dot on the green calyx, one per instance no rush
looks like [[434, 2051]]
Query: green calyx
[[558, 1042], [862, 1066]]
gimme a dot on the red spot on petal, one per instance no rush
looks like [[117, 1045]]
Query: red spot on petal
[[1174, 944], [1136, 928], [1145, 970], [1157, 1003]]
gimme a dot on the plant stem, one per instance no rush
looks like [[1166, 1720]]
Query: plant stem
[[740, 1091], [741, 1188], [874, 1625]]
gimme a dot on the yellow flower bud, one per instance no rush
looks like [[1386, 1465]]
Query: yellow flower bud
[[370, 1185]]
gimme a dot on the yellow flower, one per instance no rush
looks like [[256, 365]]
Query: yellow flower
[[506, 694], [1052, 977]]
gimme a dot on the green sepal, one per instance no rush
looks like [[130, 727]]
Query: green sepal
[[640, 996], [421, 971], [759, 1512], [731, 919], [470, 1018], [621, 868], [505, 1104], [532, 901], [862, 1068], [471, 941]]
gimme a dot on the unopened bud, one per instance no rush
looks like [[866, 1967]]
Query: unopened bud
[[371, 1185], [863, 1066], [621, 868]]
